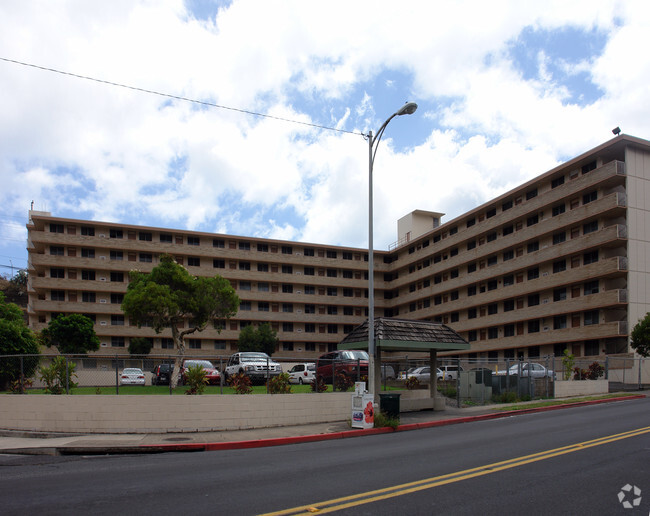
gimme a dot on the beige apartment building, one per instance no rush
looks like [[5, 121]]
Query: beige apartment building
[[562, 261]]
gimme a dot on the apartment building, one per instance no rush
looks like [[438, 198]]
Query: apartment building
[[560, 261]]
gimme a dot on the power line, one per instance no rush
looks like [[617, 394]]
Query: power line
[[177, 97]]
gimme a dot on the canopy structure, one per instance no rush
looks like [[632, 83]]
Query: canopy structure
[[405, 335]]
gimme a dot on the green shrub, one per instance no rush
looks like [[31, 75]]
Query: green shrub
[[19, 386], [280, 384], [195, 379], [412, 383], [382, 420], [506, 397], [568, 362], [342, 382], [447, 391], [57, 375], [240, 383]]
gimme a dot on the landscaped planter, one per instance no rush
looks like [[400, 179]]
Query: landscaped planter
[[569, 388]]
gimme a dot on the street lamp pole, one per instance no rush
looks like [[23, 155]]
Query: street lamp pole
[[373, 142]]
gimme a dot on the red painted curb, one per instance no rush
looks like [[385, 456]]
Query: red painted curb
[[280, 441]]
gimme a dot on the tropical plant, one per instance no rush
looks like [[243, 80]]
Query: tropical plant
[[343, 382], [640, 336], [58, 375], [240, 383], [412, 383], [568, 361], [195, 379], [280, 384], [318, 384]]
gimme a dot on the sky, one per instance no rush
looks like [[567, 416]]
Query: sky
[[506, 90]]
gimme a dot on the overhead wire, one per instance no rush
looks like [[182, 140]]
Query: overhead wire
[[178, 97]]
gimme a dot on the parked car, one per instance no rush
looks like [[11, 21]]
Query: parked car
[[132, 376], [423, 374], [387, 372], [353, 363], [449, 372], [532, 369], [211, 373], [302, 373], [161, 374], [257, 366]]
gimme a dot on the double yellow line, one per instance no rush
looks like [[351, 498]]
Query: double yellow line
[[428, 483]]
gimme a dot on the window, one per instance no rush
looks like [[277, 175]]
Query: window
[[165, 238], [492, 285], [332, 291], [331, 254], [509, 330], [116, 299], [508, 230], [471, 244], [531, 221], [589, 197], [591, 287], [508, 280], [287, 326], [245, 306], [192, 261], [348, 292], [218, 263], [557, 182], [286, 249], [471, 267], [88, 275], [117, 255], [87, 231], [331, 273], [590, 227], [116, 233], [195, 343], [57, 295], [218, 242], [533, 246], [588, 167], [262, 248], [533, 273], [287, 269], [117, 276], [559, 322], [347, 310], [244, 266], [492, 260], [310, 309], [332, 328], [118, 342], [145, 237], [452, 231], [56, 228], [244, 285], [287, 307], [493, 333], [559, 294], [559, 266], [56, 250], [348, 275], [88, 297], [490, 213], [471, 313], [308, 251], [262, 306], [287, 288], [193, 240], [470, 223], [471, 290], [558, 238], [308, 271], [533, 300], [117, 320], [332, 310], [57, 273], [591, 317], [508, 255], [533, 326], [166, 343], [148, 258], [493, 308], [262, 287], [310, 328], [508, 305], [590, 257], [262, 267], [244, 246], [506, 205], [471, 335], [558, 210], [492, 236], [530, 194]]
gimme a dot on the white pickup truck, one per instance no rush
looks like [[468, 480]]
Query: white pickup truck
[[257, 366]]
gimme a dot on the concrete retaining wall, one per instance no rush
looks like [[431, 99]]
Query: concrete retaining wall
[[159, 414], [568, 388]]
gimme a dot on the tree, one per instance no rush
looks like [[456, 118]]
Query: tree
[[15, 339], [640, 336], [15, 289], [71, 334], [262, 339], [169, 295], [140, 345]]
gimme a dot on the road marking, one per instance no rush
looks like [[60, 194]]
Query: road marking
[[428, 483]]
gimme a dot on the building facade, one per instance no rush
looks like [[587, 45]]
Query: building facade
[[562, 261]]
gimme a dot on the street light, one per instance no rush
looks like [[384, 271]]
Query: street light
[[373, 142]]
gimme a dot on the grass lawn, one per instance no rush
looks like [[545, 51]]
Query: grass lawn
[[550, 403]]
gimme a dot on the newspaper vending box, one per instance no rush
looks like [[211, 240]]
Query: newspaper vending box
[[363, 410]]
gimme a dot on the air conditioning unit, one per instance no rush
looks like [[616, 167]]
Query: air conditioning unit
[[544, 301], [102, 235], [104, 344], [299, 330], [298, 291], [299, 311], [102, 279], [102, 257], [544, 273], [298, 273], [545, 328], [102, 300], [298, 254], [102, 323]]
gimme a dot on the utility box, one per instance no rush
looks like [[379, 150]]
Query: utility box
[[363, 410]]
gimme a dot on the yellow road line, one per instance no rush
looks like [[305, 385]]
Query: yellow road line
[[428, 483]]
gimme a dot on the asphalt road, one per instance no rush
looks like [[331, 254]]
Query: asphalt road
[[572, 461]]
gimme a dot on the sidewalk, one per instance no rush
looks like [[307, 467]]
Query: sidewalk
[[31, 444]]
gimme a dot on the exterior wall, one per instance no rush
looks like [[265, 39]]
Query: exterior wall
[[160, 414], [638, 187], [567, 389], [561, 261]]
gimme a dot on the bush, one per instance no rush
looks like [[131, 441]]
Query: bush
[[19, 386], [506, 397], [382, 420], [412, 383], [318, 384], [241, 383], [280, 384], [195, 379], [594, 372], [447, 391], [342, 382], [57, 375], [568, 362]]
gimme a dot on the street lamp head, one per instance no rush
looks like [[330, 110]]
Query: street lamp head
[[407, 109]]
